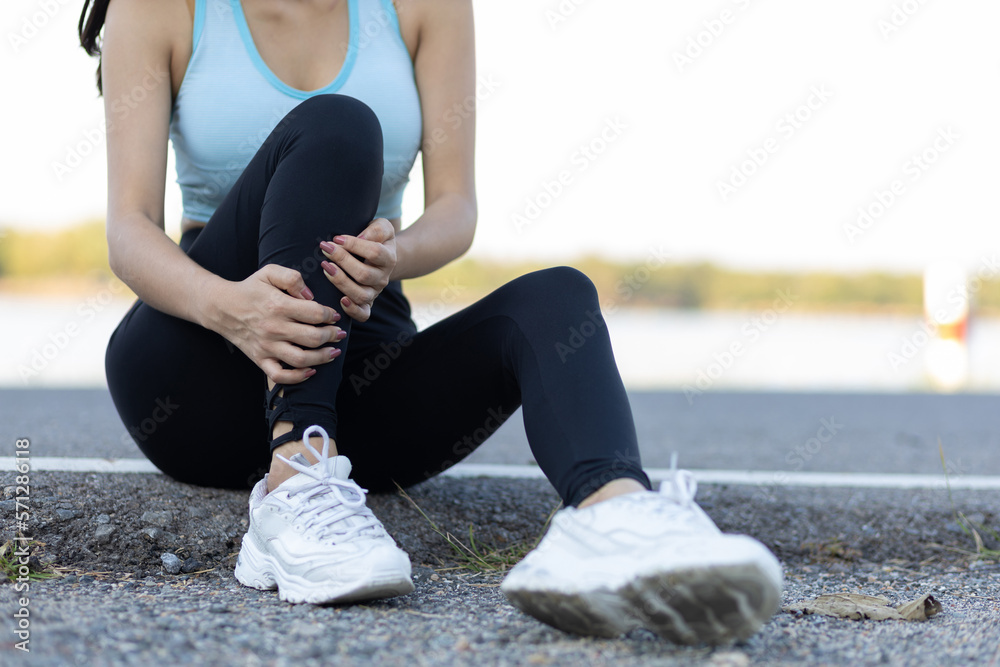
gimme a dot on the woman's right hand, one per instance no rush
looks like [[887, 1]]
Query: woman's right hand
[[272, 317]]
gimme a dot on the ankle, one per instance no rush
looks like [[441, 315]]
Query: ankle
[[614, 488], [281, 471]]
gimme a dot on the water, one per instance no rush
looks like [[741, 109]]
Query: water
[[48, 343]]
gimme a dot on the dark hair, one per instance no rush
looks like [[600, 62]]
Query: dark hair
[[90, 31]]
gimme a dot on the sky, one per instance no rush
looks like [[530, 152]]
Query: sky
[[756, 134]]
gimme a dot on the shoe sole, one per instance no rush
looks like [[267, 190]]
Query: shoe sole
[[715, 605], [259, 570]]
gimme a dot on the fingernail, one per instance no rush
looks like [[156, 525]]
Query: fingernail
[[334, 352], [345, 302], [307, 293], [341, 335], [339, 240], [329, 268], [310, 372], [326, 245], [336, 316]]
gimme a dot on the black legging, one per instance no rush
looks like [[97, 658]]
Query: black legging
[[402, 405]]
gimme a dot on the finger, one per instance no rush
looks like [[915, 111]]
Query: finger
[[355, 311], [305, 336], [296, 357], [379, 230], [355, 275], [351, 247], [288, 280], [309, 312], [357, 292], [280, 375]]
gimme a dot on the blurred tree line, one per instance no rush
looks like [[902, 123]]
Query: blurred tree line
[[77, 251], [81, 251]]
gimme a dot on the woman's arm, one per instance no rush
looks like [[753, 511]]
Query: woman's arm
[[445, 68], [140, 42]]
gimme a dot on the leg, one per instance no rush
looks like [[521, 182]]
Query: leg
[[652, 560], [318, 174], [454, 384]]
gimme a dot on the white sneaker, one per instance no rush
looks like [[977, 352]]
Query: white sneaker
[[650, 560], [314, 538]]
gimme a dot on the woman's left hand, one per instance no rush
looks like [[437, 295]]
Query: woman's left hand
[[360, 266]]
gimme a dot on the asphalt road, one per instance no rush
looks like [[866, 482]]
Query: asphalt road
[[116, 605], [887, 433]]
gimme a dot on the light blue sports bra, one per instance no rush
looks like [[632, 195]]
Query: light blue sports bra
[[230, 101]]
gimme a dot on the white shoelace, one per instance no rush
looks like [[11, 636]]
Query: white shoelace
[[330, 503], [681, 486]]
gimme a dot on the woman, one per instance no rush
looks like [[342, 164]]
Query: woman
[[295, 124]]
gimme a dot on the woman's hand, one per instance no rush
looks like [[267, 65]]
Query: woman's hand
[[361, 266], [272, 318]]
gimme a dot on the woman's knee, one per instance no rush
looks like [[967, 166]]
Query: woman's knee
[[336, 121], [556, 286], [327, 179], [336, 138]]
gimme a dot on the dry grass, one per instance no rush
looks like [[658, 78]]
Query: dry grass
[[478, 558], [968, 526]]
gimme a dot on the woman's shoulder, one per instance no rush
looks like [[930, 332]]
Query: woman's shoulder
[[155, 26], [416, 15], [168, 19]]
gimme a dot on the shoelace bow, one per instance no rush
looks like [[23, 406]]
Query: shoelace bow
[[680, 486], [679, 490], [327, 492]]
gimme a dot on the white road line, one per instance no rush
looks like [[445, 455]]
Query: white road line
[[743, 477], [764, 477], [70, 464]]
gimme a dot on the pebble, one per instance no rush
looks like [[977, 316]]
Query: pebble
[[66, 515], [190, 565], [90, 624], [171, 563], [156, 518], [103, 518], [104, 532], [729, 659]]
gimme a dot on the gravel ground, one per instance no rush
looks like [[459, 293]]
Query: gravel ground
[[116, 605]]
